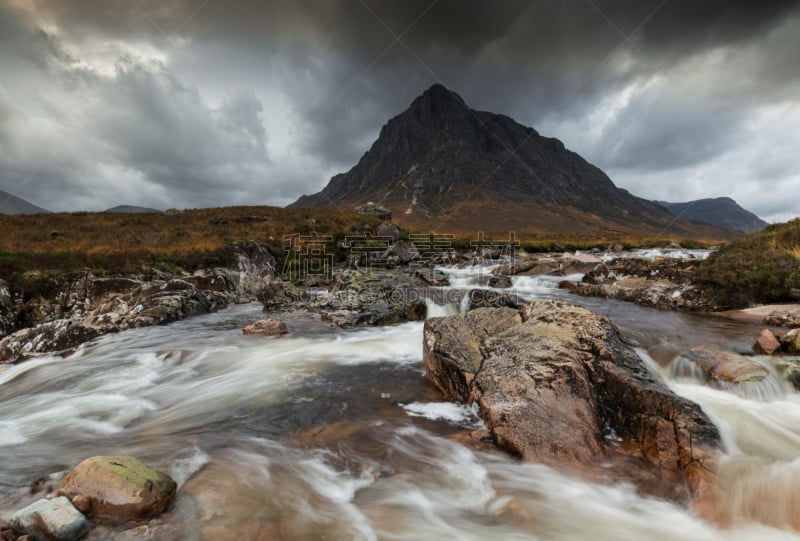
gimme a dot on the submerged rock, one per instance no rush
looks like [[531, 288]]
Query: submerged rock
[[52, 520], [718, 365], [556, 384], [115, 490], [267, 327], [790, 371], [729, 371]]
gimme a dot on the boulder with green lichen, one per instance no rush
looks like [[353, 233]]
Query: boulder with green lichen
[[117, 489]]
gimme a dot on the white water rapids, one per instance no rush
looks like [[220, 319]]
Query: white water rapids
[[338, 435]]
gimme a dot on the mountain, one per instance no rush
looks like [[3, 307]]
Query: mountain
[[131, 209], [719, 211], [10, 204], [442, 166]]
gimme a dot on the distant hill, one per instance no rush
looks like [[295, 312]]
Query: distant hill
[[131, 209], [10, 204], [719, 211], [441, 166]]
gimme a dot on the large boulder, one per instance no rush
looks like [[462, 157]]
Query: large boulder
[[51, 520], [116, 490], [156, 303], [255, 267], [556, 384]]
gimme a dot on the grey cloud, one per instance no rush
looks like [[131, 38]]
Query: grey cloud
[[548, 63], [140, 128]]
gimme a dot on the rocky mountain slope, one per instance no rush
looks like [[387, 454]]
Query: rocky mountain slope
[[444, 166], [718, 211], [10, 204]]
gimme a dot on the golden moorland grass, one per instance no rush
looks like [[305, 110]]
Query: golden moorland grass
[[123, 243], [118, 242]]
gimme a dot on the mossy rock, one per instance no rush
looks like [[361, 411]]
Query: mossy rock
[[117, 489]]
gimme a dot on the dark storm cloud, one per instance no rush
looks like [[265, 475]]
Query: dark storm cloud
[[639, 86]]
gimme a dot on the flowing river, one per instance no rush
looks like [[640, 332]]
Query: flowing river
[[330, 434]]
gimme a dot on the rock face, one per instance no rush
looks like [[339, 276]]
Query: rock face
[[556, 384], [51, 520], [546, 187], [661, 283], [267, 327], [115, 490]]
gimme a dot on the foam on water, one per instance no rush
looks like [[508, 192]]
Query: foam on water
[[440, 310], [10, 434], [653, 253], [154, 393], [444, 411], [771, 387], [182, 469]]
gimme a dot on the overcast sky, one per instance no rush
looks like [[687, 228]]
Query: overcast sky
[[191, 103]]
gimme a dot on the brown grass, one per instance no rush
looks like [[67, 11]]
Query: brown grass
[[116, 242], [112, 243]]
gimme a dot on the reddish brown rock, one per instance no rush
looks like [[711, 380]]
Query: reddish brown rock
[[766, 343], [118, 489], [719, 365], [267, 327], [556, 384]]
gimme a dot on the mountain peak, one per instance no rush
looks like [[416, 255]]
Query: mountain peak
[[440, 164], [439, 100]]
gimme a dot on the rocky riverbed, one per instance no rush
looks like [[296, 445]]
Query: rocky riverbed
[[534, 418]]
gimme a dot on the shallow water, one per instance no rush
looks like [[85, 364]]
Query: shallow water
[[326, 434]]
